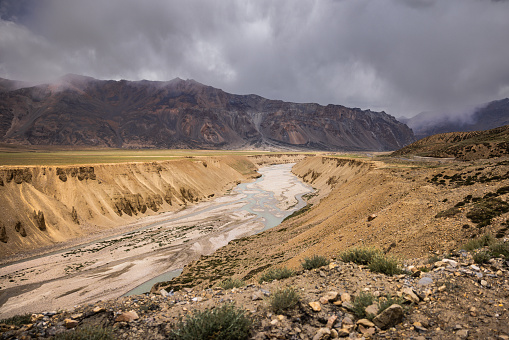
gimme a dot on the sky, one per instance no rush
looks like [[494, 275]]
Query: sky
[[398, 56]]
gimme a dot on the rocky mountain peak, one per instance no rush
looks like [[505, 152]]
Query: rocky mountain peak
[[83, 111]]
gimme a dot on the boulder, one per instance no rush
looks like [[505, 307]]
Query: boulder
[[409, 295], [322, 334], [315, 305], [127, 317], [70, 323], [389, 317]]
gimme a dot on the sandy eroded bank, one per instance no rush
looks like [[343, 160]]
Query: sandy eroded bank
[[110, 267]]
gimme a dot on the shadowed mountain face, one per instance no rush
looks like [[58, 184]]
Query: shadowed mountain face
[[83, 111]]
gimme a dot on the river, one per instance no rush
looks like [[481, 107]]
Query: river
[[157, 250]]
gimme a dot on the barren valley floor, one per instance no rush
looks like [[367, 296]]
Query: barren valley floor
[[109, 267]]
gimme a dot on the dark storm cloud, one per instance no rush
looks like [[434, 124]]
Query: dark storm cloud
[[402, 56]]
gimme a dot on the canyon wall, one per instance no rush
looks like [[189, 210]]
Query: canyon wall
[[43, 205]]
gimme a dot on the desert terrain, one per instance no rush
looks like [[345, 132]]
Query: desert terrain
[[109, 267], [416, 209]]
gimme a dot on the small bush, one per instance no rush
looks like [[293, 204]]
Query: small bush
[[86, 333], [433, 259], [315, 261], [17, 320], [479, 242], [498, 249], [448, 213], [360, 303], [385, 264], [481, 257], [284, 299], [389, 300], [276, 274], [361, 256], [225, 322], [487, 209], [231, 283]]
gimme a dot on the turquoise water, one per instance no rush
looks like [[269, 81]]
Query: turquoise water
[[257, 201], [146, 286]]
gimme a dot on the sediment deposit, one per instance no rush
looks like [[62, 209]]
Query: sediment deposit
[[42, 206], [111, 266]]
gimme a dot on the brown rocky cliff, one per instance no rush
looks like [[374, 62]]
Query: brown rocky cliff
[[82, 111]]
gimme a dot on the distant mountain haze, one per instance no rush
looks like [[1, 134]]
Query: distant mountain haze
[[83, 111], [484, 117]]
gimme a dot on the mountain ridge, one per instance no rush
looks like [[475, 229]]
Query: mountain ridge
[[483, 117], [468, 145], [83, 111]]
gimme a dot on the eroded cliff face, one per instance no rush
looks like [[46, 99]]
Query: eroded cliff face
[[44, 205], [41, 206]]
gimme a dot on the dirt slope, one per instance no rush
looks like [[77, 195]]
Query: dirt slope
[[461, 145], [404, 200]]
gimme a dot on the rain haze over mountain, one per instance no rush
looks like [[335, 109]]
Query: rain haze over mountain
[[401, 56]]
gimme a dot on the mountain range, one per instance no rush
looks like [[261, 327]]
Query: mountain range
[[484, 117], [86, 112]]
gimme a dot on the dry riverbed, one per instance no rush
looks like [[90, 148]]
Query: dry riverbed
[[109, 267]]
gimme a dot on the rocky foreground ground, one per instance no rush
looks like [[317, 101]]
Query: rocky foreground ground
[[452, 298], [420, 211]]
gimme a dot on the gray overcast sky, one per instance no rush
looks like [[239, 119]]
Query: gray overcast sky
[[401, 56]]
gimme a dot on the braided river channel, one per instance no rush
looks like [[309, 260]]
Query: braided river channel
[[154, 249]]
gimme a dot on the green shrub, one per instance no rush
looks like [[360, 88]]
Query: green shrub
[[225, 322], [423, 269], [476, 243], [231, 283], [17, 320], [315, 261], [86, 333], [434, 258], [276, 274], [481, 257], [448, 213], [385, 265], [284, 299], [360, 302], [389, 300], [361, 256], [498, 249], [486, 209]]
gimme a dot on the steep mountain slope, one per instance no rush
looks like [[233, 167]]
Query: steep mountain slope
[[461, 145], [486, 117], [83, 111]]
